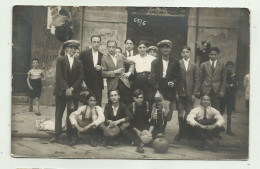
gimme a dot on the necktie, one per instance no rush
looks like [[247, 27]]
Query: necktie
[[205, 114], [212, 66]]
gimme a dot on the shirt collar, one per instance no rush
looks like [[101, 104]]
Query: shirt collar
[[215, 62], [115, 108], [165, 60], [93, 51], [112, 55], [186, 60], [70, 57], [131, 51]]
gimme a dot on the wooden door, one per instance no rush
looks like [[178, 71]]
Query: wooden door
[[21, 54], [156, 27]]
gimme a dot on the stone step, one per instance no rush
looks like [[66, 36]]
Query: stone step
[[20, 100]]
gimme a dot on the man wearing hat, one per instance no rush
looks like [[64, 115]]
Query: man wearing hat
[[69, 76], [153, 50], [166, 75]]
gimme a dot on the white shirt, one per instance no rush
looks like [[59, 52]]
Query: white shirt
[[142, 64], [114, 59], [198, 114], [115, 110], [186, 63], [215, 63], [36, 73], [95, 113], [165, 66], [128, 53], [71, 60], [95, 57]]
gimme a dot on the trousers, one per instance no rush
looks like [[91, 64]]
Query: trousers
[[61, 102]]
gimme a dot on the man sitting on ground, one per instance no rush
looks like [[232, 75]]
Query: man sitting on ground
[[142, 122], [206, 123], [117, 115]]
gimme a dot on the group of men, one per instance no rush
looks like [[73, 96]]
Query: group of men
[[142, 89]]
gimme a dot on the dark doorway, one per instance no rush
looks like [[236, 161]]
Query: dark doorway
[[21, 56], [155, 28]]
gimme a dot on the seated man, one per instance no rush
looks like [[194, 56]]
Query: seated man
[[206, 122], [160, 113], [87, 118], [142, 115], [117, 114]]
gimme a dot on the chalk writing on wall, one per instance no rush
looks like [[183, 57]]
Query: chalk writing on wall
[[140, 22]]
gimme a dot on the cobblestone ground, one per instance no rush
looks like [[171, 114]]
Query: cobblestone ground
[[29, 142]]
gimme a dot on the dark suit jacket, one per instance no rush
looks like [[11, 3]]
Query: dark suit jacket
[[173, 74], [108, 68], [216, 80], [135, 52], [66, 78], [122, 112], [127, 66], [92, 77], [190, 79]]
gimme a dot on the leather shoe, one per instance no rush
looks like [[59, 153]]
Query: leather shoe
[[54, 140], [93, 142], [230, 133], [218, 136], [73, 142], [116, 143], [177, 138], [140, 149]]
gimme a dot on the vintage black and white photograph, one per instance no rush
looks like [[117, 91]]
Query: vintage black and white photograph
[[130, 82]]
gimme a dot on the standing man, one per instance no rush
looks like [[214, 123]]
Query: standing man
[[113, 69], [188, 90], [129, 52], [142, 63], [69, 76], [213, 78], [229, 100], [91, 60], [129, 48], [166, 74]]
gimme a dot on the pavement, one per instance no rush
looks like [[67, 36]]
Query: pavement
[[25, 136]]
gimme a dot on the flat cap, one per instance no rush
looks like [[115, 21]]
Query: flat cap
[[152, 48], [165, 42], [71, 43]]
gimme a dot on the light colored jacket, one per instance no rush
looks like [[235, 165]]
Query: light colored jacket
[[108, 68]]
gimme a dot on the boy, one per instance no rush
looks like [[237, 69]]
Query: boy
[[230, 98], [34, 78], [188, 89], [213, 78], [91, 117], [117, 114], [141, 113], [160, 113], [69, 77]]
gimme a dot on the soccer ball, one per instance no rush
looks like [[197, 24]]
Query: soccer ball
[[146, 137], [160, 145]]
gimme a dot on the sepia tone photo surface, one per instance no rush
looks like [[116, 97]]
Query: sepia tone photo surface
[[130, 82]]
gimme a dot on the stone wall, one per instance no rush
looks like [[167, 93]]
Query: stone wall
[[46, 47]]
